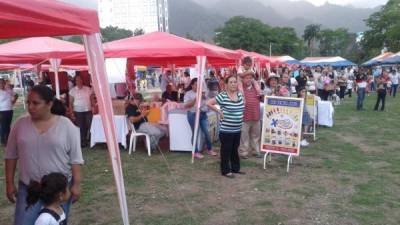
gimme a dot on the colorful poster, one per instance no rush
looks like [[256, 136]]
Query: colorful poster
[[281, 131]]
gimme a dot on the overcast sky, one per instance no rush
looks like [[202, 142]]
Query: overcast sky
[[356, 3]]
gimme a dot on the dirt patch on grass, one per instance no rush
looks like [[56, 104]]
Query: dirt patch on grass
[[357, 141]]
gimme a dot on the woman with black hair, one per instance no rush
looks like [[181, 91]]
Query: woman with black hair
[[80, 103], [190, 100], [41, 143], [7, 101], [381, 89], [231, 108]]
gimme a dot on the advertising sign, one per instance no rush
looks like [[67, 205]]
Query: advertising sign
[[281, 130]]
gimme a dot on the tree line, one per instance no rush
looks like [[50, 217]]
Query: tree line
[[253, 35]]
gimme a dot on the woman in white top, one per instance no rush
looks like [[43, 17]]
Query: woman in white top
[[7, 100], [190, 100], [80, 101], [394, 78], [361, 86]]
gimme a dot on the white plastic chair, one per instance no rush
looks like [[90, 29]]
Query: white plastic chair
[[132, 140]]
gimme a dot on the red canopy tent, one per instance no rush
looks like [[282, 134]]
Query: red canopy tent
[[258, 58], [8, 67], [38, 49], [221, 61], [159, 48], [32, 18]]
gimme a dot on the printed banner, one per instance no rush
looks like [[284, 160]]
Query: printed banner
[[282, 119]]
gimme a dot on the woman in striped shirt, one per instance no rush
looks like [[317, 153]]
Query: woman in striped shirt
[[231, 117]]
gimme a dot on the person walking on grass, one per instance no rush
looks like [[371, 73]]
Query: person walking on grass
[[231, 107], [80, 103], [361, 85], [394, 78], [41, 143], [7, 101], [381, 86]]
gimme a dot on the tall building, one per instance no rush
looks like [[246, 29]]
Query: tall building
[[149, 15]]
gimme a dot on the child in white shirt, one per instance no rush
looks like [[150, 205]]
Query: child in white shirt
[[350, 86], [52, 191]]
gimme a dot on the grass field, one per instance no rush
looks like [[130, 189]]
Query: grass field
[[350, 175]]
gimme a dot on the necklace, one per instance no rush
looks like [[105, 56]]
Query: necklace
[[232, 96]]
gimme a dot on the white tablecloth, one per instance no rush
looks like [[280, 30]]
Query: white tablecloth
[[97, 130], [325, 113], [180, 133]]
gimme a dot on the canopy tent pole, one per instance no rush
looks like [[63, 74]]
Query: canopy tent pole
[[55, 64], [130, 75], [201, 66], [95, 57], [19, 77]]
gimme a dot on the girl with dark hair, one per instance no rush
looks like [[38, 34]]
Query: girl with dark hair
[[41, 143], [52, 191], [231, 108], [58, 108]]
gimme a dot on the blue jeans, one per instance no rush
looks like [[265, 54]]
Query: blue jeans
[[372, 86], [393, 90], [360, 98], [25, 216], [203, 125]]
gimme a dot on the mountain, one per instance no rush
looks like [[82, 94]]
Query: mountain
[[249, 8], [188, 17], [200, 18], [329, 15]]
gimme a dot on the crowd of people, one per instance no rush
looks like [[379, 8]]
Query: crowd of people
[[48, 155]]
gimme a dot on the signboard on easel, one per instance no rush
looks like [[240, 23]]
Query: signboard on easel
[[281, 128], [311, 106]]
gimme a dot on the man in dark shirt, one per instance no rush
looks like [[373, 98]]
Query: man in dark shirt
[[137, 115], [301, 80], [169, 94], [132, 110], [212, 85], [29, 83]]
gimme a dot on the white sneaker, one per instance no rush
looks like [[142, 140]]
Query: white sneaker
[[304, 143]]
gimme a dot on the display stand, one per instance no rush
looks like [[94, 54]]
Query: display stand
[[282, 126], [289, 160]]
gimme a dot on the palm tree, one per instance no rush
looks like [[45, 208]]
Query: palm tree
[[311, 34]]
